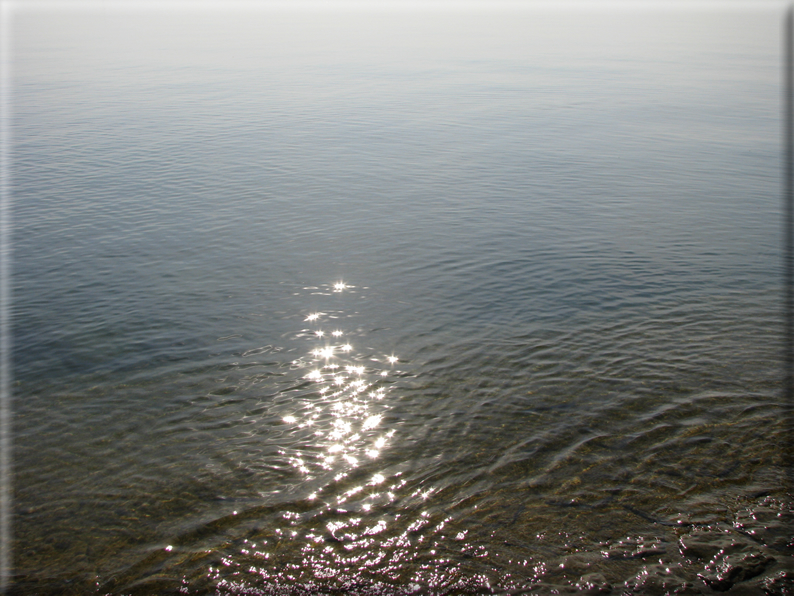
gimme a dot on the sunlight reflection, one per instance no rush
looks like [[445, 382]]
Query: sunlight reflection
[[347, 413], [326, 352], [338, 418]]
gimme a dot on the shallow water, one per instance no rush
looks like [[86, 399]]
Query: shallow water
[[398, 302]]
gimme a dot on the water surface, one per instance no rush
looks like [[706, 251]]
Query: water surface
[[395, 302]]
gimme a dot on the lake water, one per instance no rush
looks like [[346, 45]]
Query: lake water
[[398, 301]]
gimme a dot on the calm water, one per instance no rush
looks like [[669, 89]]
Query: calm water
[[398, 302]]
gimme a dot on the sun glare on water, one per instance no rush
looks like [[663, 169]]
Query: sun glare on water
[[344, 406]]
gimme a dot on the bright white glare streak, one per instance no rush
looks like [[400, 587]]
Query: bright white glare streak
[[340, 285], [319, 333], [313, 317], [324, 352], [392, 359], [289, 419], [347, 348], [315, 374], [336, 333], [377, 479], [372, 422]]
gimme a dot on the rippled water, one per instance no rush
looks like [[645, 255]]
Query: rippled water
[[398, 302]]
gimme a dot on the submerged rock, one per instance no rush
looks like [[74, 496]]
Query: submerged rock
[[769, 524], [780, 584], [635, 548], [729, 568], [704, 545], [594, 583], [661, 580]]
